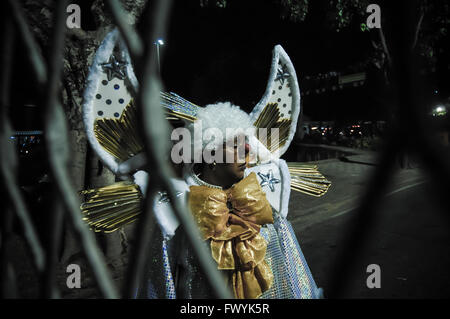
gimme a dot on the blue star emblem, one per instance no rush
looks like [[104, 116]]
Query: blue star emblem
[[115, 68], [268, 179], [282, 74]]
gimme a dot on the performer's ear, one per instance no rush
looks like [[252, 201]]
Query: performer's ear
[[213, 165]]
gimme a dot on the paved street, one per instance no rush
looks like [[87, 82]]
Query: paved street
[[410, 240]]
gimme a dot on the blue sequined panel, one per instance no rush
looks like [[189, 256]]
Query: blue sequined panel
[[292, 276], [158, 281], [168, 278]]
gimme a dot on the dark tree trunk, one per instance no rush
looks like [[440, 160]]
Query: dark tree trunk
[[79, 51]]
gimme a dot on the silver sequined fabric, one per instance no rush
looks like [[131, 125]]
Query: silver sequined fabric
[[292, 276], [158, 281], [173, 271]]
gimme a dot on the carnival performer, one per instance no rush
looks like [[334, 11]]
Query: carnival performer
[[251, 242], [238, 194]]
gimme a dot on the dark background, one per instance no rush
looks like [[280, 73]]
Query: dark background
[[216, 54], [225, 54], [213, 54]]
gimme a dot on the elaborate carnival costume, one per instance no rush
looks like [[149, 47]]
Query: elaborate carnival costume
[[245, 225]]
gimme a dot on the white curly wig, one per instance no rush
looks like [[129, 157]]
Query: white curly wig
[[226, 118]]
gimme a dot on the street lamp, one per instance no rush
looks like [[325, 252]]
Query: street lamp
[[158, 43], [439, 110]]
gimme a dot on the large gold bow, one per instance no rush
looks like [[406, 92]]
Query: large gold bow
[[232, 219]]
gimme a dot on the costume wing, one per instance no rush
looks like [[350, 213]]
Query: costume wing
[[109, 113], [108, 109], [109, 116], [280, 108], [280, 105]]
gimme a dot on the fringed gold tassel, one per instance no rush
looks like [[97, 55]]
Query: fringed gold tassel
[[111, 207], [307, 179]]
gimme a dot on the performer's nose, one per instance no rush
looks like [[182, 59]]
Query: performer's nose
[[247, 148]]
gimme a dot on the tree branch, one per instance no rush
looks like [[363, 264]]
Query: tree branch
[[385, 47], [416, 35]]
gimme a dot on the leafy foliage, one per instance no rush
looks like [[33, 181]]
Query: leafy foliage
[[214, 3], [434, 28], [294, 10], [431, 25], [343, 12]]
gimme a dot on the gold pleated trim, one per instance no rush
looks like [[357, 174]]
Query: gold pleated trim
[[120, 137], [270, 118], [111, 207], [307, 179]]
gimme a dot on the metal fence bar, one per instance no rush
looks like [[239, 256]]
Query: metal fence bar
[[147, 223], [411, 119], [9, 156], [6, 278], [144, 231], [359, 227], [131, 37], [155, 131], [414, 119], [36, 59], [56, 133], [436, 158], [156, 142], [49, 287]]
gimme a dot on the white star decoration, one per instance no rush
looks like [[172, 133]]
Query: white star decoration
[[164, 197], [114, 68], [268, 179], [282, 74]]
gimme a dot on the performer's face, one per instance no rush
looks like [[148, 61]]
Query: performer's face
[[236, 159]]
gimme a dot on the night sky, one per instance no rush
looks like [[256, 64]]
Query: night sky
[[214, 54]]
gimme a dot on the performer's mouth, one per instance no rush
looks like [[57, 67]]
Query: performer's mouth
[[243, 166]]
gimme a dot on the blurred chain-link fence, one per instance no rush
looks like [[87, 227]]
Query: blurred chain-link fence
[[410, 132]]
